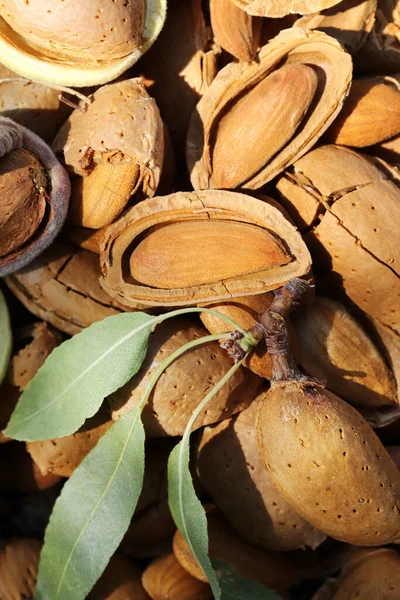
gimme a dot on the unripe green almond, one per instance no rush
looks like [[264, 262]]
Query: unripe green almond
[[328, 463]]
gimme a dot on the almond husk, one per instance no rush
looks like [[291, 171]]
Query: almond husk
[[320, 53], [62, 287], [236, 31], [116, 147], [204, 251], [351, 207], [61, 456], [280, 8], [185, 382], [349, 22], [327, 462], [165, 578], [231, 469], [333, 346], [121, 580], [370, 115], [19, 560]]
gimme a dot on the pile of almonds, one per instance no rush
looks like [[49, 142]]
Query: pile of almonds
[[229, 154]]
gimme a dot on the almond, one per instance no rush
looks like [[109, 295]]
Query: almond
[[235, 31], [165, 579]]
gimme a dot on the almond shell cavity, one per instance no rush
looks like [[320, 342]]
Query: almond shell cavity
[[208, 209], [328, 463], [231, 469], [292, 46], [49, 64], [185, 382]]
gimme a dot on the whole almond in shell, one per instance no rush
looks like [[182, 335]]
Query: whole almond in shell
[[165, 579], [328, 463], [334, 347], [232, 471], [185, 382]]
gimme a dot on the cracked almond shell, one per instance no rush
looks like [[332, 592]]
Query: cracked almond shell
[[327, 462], [74, 43], [185, 382], [352, 209], [280, 8], [333, 346], [19, 560], [115, 148], [62, 287], [320, 56], [193, 247], [231, 469]]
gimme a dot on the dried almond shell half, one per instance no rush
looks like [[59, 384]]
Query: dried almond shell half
[[32, 62], [193, 247], [319, 54], [280, 8]]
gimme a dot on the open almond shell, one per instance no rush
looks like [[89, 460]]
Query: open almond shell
[[333, 68], [248, 215]]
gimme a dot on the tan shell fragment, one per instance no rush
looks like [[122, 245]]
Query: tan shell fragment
[[327, 462], [61, 456], [236, 31], [37, 107], [196, 218], [185, 382], [390, 340], [231, 469], [165, 578], [245, 312], [280, 8], [375, 575], [334, 347], [352, 209], [116, 147], [349, 22], [19, 560], [62, 287], [380, 53], [321, 54]]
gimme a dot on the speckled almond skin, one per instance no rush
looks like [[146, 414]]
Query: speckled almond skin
[[98, 30], [328, 463], [232, 471], [185, 382], [374, 576]]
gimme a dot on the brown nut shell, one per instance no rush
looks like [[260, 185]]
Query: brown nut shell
[[19, 560], [61, 456], [349, 22], [204, 247], [328, 463], [376, 575], [330, 65], [236, 31], [334, 347], [62, 287], [185, 382], [280, 8], [231, 469], [165, 578], [121, 580], [351, 207]]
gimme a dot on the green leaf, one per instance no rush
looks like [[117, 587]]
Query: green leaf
[[5, 337], [93, 513], [77, 376], [234, 587], [187, 511]]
